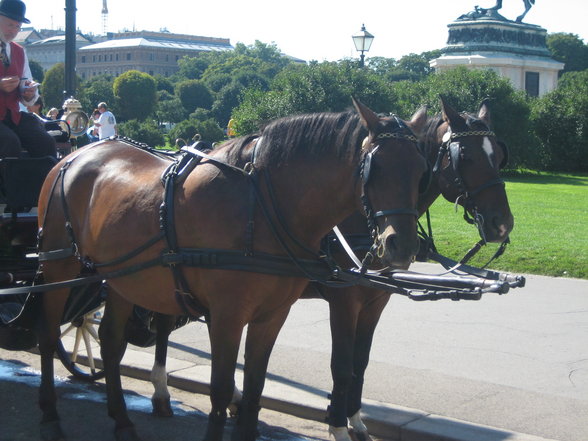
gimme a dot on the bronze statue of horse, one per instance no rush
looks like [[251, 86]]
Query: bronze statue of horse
[[528, 5], [209, 246]]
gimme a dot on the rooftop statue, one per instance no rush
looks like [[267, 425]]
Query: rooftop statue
[[492, 13]]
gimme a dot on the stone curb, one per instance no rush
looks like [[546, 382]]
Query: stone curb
[[395, 423]]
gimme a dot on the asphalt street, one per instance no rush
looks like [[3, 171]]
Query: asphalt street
[[517, 362]]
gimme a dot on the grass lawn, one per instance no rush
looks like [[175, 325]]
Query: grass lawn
[[550, 236]]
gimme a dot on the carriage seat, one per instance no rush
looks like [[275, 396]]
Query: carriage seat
[[21, 180]]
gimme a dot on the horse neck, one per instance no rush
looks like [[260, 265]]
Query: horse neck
[[314, 196], [431, 143]]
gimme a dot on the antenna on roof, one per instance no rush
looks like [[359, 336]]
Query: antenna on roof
[[104, 17]]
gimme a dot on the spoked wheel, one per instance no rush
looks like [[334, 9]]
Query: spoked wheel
[[79, 344]]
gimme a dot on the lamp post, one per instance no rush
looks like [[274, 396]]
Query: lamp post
[[362, 41]]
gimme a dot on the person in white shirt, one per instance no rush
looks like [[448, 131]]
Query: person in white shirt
[[106, 123]]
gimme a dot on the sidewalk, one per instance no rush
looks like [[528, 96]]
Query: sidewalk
[[395, 423]]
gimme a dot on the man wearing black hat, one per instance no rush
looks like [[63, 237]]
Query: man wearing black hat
[[18, 129]]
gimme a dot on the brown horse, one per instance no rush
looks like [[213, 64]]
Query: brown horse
[[252, 200], [355, 311], [469, 159]]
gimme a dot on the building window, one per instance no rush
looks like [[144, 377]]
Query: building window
[[151, 72], [532, 83], [151, 57], [93, 58], [128, 55], [116, 57], [83, 58], [166, 57]]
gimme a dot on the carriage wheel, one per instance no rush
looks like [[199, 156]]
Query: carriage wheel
[[79, 344]]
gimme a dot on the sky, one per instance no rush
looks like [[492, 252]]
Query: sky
[[306, 29]]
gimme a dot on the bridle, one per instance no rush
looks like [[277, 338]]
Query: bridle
[[403, 132], [454, 150]]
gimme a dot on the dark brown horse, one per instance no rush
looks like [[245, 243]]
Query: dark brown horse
[[467, 173], [276, 195]]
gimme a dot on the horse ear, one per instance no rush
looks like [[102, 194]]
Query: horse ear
[[450, 116], [418, 120], [368, 118], [484, 111]]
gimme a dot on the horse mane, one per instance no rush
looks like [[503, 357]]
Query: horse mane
[[309, 136]]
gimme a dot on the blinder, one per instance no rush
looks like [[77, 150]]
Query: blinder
[[367, 162], [505, 154]]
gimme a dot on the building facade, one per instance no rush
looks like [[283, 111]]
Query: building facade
[[155, 53]]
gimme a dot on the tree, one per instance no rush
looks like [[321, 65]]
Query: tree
[[96, 90], [37, 71], [208, 130], [194, 94], [53, 85], [560, 121], [135, 93], [143, 131], [569, 49], [465, 89]]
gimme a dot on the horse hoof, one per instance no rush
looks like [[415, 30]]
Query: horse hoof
[[162, 407], [233, 410], [126, 434], [51, 431]]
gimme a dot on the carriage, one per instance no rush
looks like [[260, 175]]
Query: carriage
[[81, 312]]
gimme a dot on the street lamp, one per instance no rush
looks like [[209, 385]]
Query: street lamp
[[362, 41]]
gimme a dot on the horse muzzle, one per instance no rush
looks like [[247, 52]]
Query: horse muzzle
[[497, 227], [397, 248]]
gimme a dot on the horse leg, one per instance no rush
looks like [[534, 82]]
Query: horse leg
[[225, 336], [53, 304], [237, 395], [497, 6], [527, 8], [160, 400], [261, 336], [343, 312], [366, 326], [112, 348]]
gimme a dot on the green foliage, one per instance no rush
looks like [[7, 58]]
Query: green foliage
[[194, 94], [208, 130], [163, 83], [96, 90], [53, 85], [465, 89], [560, 121], [569, 49], [142, 131], [135, 93], [169, 108], [37, 71]]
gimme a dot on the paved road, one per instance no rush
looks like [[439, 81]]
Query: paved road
[[439, 371], [517, 362]]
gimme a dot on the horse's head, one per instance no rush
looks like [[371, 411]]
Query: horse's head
[[391, 174], [467, 170]]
